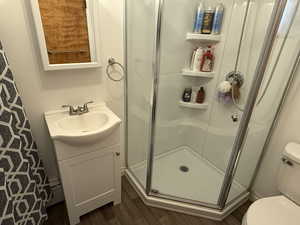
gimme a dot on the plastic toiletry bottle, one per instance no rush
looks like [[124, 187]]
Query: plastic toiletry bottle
[[207, 62], [193, 59], [218, 19], [187, 95], [197, 59], [208, 20], [194, 94], [200, 96], [199, 18]]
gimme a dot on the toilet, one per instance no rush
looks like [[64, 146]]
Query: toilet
[[283, 209]]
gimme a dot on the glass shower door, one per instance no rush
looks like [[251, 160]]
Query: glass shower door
[[280, 70], [140, 27], [193, 142]]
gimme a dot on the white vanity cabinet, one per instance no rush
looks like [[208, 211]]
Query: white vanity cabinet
[[87, 149], [90, 181]]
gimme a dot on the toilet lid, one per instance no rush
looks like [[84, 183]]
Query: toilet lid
[[277, 210]]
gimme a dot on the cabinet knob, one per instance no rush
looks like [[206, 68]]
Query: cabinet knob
[[118, 153]]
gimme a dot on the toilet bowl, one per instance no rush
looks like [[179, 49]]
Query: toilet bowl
[[277, 210], [283, 209]]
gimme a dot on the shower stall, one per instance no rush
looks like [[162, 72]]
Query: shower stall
[[201, 158]]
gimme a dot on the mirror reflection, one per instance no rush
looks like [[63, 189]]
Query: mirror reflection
[[65, 25]]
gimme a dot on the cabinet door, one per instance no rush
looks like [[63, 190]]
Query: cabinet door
[[91, 180]]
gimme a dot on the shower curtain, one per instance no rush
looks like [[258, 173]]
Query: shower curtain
[[24, 186]]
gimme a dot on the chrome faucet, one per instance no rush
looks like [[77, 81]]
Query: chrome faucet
[[79, 110]]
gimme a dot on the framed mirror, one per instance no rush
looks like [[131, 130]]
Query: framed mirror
[[67, 32]]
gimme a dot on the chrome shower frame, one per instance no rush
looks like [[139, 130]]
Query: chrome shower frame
[[146, 193]]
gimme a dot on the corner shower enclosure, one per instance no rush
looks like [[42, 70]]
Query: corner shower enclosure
[[201, 158]]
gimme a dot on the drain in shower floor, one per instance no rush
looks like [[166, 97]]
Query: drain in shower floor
[[184, 169]]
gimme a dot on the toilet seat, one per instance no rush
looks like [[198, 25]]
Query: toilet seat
[[277, 210]]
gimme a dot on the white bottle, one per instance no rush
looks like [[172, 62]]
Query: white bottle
[[194, 94], [193, 60], [197, 59]]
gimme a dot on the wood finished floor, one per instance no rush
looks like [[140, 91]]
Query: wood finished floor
[[132, 211]]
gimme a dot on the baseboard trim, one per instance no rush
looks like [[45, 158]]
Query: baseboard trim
[[123, 170], [254, 196], [58, 194]]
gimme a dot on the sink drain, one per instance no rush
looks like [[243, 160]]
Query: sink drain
[[184, 169]]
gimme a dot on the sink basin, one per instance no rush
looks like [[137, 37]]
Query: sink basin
[[84, 123], [82, 129]]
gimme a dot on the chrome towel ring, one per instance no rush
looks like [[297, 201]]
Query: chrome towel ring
[[111, 63]]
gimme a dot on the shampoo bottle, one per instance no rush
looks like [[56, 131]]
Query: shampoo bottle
[[197, 59], [208, 20], [217, 24], [187, 95], [194, 94], [199, 18], [200, 96], [207, 62], [193, 59]]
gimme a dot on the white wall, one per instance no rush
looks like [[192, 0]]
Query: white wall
[[287, 130], [43, 91]]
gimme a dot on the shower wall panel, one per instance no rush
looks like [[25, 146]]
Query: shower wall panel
[[222, 130], [175, 55]]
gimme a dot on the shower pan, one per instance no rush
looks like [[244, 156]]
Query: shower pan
[[201, 158]]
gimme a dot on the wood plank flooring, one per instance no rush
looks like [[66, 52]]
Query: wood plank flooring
[[132, 211]]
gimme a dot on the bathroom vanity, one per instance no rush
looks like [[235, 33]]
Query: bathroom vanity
[[87, 149]]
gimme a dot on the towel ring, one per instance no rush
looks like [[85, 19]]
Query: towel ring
[[111, 63]]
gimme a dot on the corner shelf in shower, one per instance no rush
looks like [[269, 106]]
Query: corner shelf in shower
[[193, 105], [203, 37], [190, 73]]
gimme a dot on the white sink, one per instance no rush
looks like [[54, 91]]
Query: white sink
[[82, 129], [84, 123]]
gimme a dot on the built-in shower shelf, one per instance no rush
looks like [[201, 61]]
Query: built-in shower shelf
[[193, 105], [203, 37], [190, 73]]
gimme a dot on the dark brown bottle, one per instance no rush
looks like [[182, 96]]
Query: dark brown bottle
[[201, 96], [208, 20], [187, 95]]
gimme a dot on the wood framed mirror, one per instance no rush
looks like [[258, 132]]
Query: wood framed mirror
[[68, 33]]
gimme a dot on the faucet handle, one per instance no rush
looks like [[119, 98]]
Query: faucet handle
[[72, 111], [90, 102], [68, 106], [85, 106]]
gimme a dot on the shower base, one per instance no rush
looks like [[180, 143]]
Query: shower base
[[184, 174]]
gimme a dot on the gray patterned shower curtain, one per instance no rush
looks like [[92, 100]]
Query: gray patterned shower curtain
[[24, 187]]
